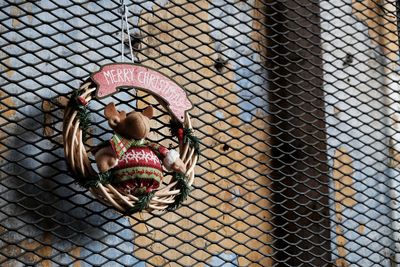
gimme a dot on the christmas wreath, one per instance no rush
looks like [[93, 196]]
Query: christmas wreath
[[130, 171]]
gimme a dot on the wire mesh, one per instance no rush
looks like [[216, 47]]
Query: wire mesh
[[296, 107]]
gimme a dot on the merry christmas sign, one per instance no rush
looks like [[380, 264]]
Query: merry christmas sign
[[110, 78]]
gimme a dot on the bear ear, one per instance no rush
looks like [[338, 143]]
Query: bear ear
[[148, 112], [112, 115], [110, 111]]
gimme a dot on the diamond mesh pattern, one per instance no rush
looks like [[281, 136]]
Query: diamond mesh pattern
[[296, 107]]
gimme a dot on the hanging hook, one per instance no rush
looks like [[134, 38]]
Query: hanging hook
[[124, 19], [123, 6]]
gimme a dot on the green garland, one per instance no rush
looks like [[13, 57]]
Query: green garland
[[193, 140], [94, 181], [182, 183], [174, 126], [176, 129], [83, 112], [143, 202]]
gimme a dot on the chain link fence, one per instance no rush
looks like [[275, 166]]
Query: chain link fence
[[296, 106]]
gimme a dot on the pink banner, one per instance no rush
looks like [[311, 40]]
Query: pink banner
[[122, 75]]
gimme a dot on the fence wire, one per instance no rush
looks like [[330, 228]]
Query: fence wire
[[296, 104]]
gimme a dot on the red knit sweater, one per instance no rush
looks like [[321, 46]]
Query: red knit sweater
[[139, 168]]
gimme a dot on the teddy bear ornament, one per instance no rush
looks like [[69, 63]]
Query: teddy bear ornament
[[135, 163]]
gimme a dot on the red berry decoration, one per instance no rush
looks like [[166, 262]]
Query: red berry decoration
[[180, 134], [82, 101]]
